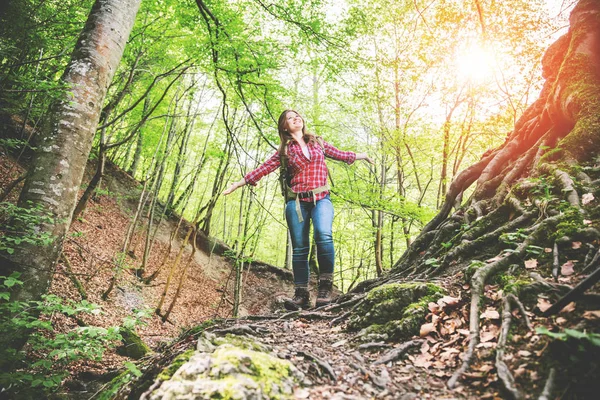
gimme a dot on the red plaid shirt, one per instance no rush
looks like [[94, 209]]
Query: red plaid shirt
[[306, 174]]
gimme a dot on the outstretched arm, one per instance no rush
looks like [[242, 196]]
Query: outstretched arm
[[234, 186], [364, 156], [253, 177]]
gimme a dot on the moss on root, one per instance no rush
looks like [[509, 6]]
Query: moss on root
[[396, 309]]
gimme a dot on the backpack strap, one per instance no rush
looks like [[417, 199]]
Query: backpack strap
[[322, 144]]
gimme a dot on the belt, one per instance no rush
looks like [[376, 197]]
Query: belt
[[305, 195]]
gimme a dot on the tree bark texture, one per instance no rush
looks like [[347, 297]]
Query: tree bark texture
[[64, 145]]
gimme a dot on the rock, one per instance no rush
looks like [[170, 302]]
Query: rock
[[133, 346], [232, 367]]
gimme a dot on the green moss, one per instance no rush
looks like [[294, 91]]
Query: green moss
[[243, 342], [133, 346], [267, 373], [396, 309], [515, 286], [181, 359], [569, 225]]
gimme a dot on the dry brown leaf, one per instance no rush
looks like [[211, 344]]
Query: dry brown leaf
[[531, 263], [547, 250], [587, 198], [426, 329], [524, 353], [433, 307], [561, 321], [587, 222], [485, 368], [568, 308], [543, 304], [448, 301], [487, 336], [422, 360], [464, 332], [592, 314], [490, 313], [520, 370], [576, 245], [567, 268]]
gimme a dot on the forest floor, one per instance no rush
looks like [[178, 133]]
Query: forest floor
[[92, 247], [337, 363]]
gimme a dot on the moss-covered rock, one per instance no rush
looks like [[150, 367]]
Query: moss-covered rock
[[233, 367], [396, 309], [133, 346]]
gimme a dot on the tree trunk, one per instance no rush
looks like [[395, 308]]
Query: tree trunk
[[64, 145]]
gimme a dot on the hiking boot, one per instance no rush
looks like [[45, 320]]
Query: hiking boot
[[301, 300], [324, 294]]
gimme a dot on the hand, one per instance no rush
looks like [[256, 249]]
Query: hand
[[233, 187], [364, 156]]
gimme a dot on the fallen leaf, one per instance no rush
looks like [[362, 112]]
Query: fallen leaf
[[463, 332], [485, 368], [487, 336], [531, 264], [587, 198], [567, 268], [520, 370], [568, 308], [524, 353], [490, 313], [422, 360], [593, 314], [547, 250], [576, 245], [448, 300], [587, 222], [433, 307], [543, 304], [486, 345], [561, 320], [426, 329]]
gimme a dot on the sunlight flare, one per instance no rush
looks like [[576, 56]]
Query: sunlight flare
[[474, 63]]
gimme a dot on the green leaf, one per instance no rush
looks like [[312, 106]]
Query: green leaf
[[133, 369]]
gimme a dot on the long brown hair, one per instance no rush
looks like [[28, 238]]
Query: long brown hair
[[284, 132]]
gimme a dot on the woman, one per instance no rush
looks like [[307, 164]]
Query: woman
[[304, 155]]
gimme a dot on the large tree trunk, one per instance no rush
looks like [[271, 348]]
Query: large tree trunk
[[64, 145]]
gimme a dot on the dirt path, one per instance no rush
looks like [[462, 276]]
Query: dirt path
[[337, 368]]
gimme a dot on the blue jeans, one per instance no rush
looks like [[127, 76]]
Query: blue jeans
[[322, 216]]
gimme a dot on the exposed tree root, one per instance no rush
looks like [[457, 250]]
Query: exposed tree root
[[555, 261], [502, 369], [575, 293], [324, 365], [469, 246], [395, 354], [377, 381], [549, 386], [477, 285]]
